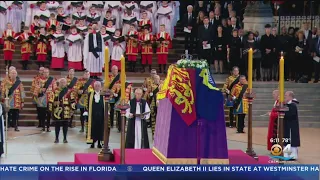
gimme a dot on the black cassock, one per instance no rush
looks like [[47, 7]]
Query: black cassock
[[130, 137], [97, 118], [291, 125], [2, 138]]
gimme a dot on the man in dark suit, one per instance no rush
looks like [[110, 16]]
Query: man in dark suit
[[308, 35], [189, 21], [217, 17], [315, 51], [205, 36], [211, 18], [234, 24]]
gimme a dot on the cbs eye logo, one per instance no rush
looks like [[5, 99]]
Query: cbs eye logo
[[276, 150]]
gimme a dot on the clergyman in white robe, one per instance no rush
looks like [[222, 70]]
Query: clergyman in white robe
[[138, 127], [165, 19], [90, 62]]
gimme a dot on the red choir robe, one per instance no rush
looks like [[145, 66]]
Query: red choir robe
[[132, 47], [273, 126], [25, 46], [163, 47], [144, 22], [32, 27], [146, 49], [42, 49], [51, 22], [9, 46]]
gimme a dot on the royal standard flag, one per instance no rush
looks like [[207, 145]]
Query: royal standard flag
[[210, 100]]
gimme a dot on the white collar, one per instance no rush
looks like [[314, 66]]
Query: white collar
[[289, 102]]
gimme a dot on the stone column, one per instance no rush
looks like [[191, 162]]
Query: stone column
[[257, 15]]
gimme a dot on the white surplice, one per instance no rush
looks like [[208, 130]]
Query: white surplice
[[44, 12], [58, 48], [175, 5], [90, 62], [31, 9], [75, 50], [3, 17], [161, 19], [125, 26], [15, 16], [52, 6], [114, 11], [138, 127], [117, 50]]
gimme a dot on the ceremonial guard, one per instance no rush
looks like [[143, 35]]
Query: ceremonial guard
[[64, 104], [9, 47], [84, 86], [96, 116], [43, 95], [231, 81], [240, 102], [132, 47], [42, 47], [13, 89], [152, 98], [146, 50], [27, 40], [148, 82], [33, 87], [138, 114], [273, 122], [71, 85], [115, 81], [291, 127], [163, 40]]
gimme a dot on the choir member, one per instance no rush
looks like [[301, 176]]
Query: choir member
[[93, 16], [240, 102], [61, 15], [110, 28], [108, 17], [31, 9], [128, 18], [234, 50], [9, 47], [118, 48], [145, 21], [148, 8], [132, 47], [63, 105], [52, 6], [16, 15], [93, 53], [82, 28], [84, 86], [266, 47], [66, 25], [2, 128], [58, 49], [96, 115], [3, 17], [134, 7], [175, 5], [273, 122], [44, 87], [13, 89], [106, 37], [231, 81], [27, 40], [43, 13], [152, 98], [291, 127], [42, 47], [52, 23], [35, 26], [78, 15], [138, 114], [163, 40], [114, 6], [220, 50], [75, 50], [146, 50], [165, 16]]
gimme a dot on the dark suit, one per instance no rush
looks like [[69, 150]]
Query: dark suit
[[205, 34], [309, 61], [189, 37], [315, 48]]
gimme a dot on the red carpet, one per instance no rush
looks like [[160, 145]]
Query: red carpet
[[145, 156]]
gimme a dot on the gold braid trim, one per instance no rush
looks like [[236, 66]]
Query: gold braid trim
[[166, 160], [89, 140], [214, 161]]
